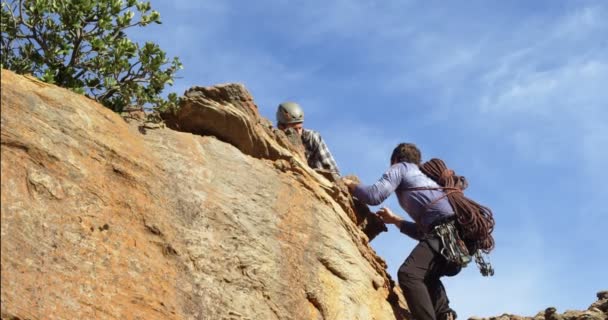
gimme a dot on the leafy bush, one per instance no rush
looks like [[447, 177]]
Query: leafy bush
[[82, 45]]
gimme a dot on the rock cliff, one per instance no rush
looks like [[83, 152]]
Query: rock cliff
[[216, 217], [596, 311]]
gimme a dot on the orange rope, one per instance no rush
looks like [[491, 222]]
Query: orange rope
[[476, 222]]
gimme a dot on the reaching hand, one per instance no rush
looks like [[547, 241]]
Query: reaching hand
[[351, 184], [389, 217]]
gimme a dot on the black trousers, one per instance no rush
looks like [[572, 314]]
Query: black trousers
[[419, 279]]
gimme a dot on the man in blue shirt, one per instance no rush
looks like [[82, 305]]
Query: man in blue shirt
[[426, 203]]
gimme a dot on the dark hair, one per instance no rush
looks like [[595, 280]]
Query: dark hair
[[406, 152]]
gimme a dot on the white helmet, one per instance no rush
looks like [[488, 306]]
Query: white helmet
[[289, 112]]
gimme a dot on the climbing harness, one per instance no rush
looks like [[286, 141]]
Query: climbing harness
[[454, 250]]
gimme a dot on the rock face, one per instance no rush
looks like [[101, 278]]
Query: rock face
[[596, 311], [104, 219]]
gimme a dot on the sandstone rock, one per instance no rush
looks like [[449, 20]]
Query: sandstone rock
[[594, 312], [229, 113], [100, 221], [551, 314], [601, 305]]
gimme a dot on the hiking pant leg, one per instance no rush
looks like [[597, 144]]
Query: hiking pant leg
[[440, 300], [413, 276]]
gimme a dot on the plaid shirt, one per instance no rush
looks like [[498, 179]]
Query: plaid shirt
[[317, 153]]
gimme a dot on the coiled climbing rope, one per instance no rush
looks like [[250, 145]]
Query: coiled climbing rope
[[476, 222]]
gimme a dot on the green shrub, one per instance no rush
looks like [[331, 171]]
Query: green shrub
[[82, 45]]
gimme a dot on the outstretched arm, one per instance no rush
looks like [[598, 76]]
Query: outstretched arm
[[407, 227], [379, 191]]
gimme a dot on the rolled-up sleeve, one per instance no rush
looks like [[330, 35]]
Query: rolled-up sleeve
[[382, 189], [410, 229]]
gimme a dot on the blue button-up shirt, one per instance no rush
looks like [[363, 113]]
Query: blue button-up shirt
[[417, 203]]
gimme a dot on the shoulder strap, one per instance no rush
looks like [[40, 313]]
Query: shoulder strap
[[448, 191]]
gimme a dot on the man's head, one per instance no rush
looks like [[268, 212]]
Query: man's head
[[290, 115], [406, 152]]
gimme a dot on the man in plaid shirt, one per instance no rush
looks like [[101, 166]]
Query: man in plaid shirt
[[290, 115]]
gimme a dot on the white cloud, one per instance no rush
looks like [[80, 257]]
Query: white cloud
[[581, 22], [595, 141], [317, 21], [549, 95], [559, 70], [548, 112], [364, 150], [527, 146], [559, 92]]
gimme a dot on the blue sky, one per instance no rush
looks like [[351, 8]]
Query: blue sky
[[511, 94]]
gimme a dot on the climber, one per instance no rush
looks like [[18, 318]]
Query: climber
[[427, 204], [290, 115]]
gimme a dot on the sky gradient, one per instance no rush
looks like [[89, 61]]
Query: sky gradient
[[511, 94]]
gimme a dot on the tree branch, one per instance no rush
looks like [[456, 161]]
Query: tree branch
[[13, 18], [129, 72], [80, 73], [75, 50], [21, 14]]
